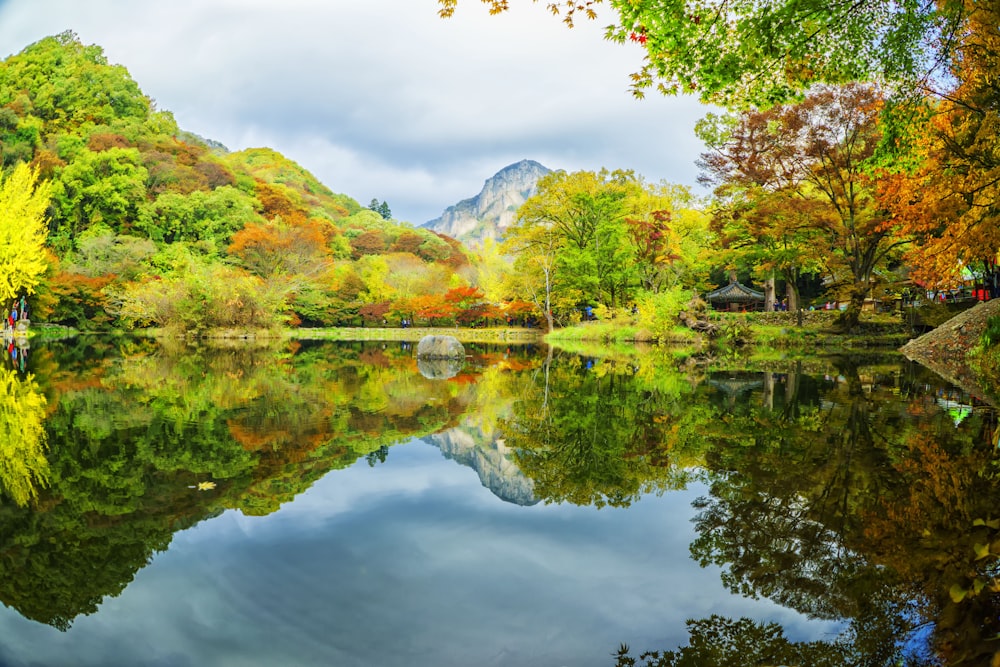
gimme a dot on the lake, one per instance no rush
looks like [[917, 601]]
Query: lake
[[328, 504]]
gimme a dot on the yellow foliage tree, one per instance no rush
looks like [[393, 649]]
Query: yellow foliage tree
[[23, 466], [22, 231]]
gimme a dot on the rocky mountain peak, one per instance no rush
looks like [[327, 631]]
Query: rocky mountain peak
[[492, 211]]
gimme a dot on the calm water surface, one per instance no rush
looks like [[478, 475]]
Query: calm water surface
[[323, 504]]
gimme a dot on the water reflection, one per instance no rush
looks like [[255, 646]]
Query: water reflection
[[843, 490], [858, 498], [23, 466]]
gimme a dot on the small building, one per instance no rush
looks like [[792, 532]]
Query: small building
[[735, 297]]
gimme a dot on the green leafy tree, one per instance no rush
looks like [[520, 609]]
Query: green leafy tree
[[581, 217], [212, 216], [535, 251], [744, 53], [107, 187], [66, 84]]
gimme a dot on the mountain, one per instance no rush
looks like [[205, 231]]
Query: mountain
[[492, 211], [489, 457]]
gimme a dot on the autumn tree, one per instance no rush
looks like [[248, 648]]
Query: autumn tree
[[434, 308], [947, 194], [23, 466], [670, 238], [23, 202], [818, 156], [293, 258], [535, 252]]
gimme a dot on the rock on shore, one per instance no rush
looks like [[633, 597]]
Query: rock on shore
[[944, 349]]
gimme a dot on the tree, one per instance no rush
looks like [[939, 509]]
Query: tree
[[947, 196], [381, 208], [742, 53], [534, 249], [670, 238], [23, 202], [23, 466], [297, 249], [200, 216], [67, 84], [581, 217], [108, 187], [818, 155]]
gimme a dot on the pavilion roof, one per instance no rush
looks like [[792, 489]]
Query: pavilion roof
[[734, 293]]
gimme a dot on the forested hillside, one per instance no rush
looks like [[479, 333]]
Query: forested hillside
[[151, 225]]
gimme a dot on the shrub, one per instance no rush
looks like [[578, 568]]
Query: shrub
[[658, 313], [201, 297]]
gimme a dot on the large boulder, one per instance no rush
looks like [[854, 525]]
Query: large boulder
[[440, 347]]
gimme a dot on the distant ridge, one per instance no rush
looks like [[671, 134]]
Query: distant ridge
[[493, 210]]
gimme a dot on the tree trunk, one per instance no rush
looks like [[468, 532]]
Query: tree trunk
[[769, 391], [548, 301], [792, 294], [769, 294], [849, 318]]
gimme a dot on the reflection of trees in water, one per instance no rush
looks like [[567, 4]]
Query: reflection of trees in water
[[135, 436], [592, 435], [23, 466], [717, 641], [848, 507]]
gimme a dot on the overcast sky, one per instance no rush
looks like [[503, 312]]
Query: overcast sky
[[381, 98]]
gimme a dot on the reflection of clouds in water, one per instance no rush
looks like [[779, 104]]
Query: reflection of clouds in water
[[408, 563]]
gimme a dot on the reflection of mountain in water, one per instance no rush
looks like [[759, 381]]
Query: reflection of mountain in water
[[488, 457]]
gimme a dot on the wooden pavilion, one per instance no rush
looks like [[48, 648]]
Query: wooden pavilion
[[735, 297]]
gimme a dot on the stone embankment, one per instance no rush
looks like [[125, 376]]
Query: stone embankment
[[944, 350]]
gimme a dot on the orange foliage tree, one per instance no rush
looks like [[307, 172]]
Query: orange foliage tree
[[434, 308], [289, 248], [948, 200], [819, 153]]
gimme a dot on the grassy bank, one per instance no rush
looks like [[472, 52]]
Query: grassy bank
[[465, 335], [497, 335], [777, 331], [618, 332], [762, 331]]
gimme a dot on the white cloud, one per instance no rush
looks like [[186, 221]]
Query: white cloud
[[382, 98]]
